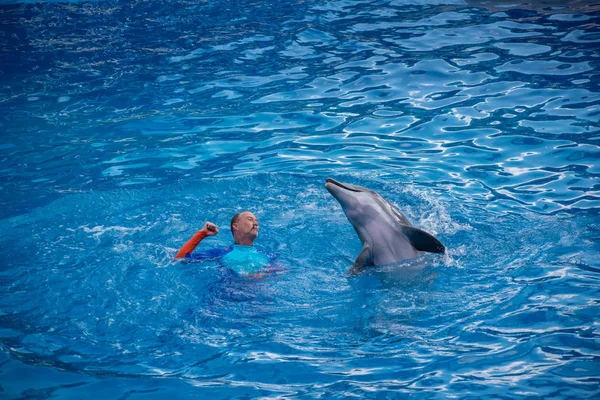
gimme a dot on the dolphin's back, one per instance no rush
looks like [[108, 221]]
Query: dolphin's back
[[392, 237], [386, 205], [391, 246]]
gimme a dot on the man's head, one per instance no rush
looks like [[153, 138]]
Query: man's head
[[244, 227]]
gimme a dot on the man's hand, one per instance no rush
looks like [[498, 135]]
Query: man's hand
[[210, 229]]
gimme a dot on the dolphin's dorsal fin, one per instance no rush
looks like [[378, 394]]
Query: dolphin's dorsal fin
[[423, 241], [363, 260]]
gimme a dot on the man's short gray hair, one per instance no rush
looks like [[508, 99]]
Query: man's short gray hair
[[235, 218]]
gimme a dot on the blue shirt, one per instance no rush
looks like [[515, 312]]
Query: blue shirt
[[241, 259], [245, 260]]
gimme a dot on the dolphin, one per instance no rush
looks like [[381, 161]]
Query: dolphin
[[386, 234]]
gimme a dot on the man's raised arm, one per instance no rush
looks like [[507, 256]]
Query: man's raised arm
[[209, 229]]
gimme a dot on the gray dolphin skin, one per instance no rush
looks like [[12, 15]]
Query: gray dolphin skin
[[386, 234]]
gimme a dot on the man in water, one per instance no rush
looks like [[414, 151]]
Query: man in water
[[242, 257]]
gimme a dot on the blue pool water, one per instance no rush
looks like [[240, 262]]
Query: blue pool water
[[125, 125]]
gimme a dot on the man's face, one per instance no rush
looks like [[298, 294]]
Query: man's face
[[247, 225]]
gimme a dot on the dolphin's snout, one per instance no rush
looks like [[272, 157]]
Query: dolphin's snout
[[331, 183]]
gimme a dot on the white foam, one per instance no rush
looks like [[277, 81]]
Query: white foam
[[436, 220], [100, 230]]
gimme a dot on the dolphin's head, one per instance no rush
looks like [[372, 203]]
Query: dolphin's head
[[361, 205]]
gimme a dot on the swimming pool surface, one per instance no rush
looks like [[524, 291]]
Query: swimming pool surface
[[124, 126]]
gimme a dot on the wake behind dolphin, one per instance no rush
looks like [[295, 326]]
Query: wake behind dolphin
[[386, 234]]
